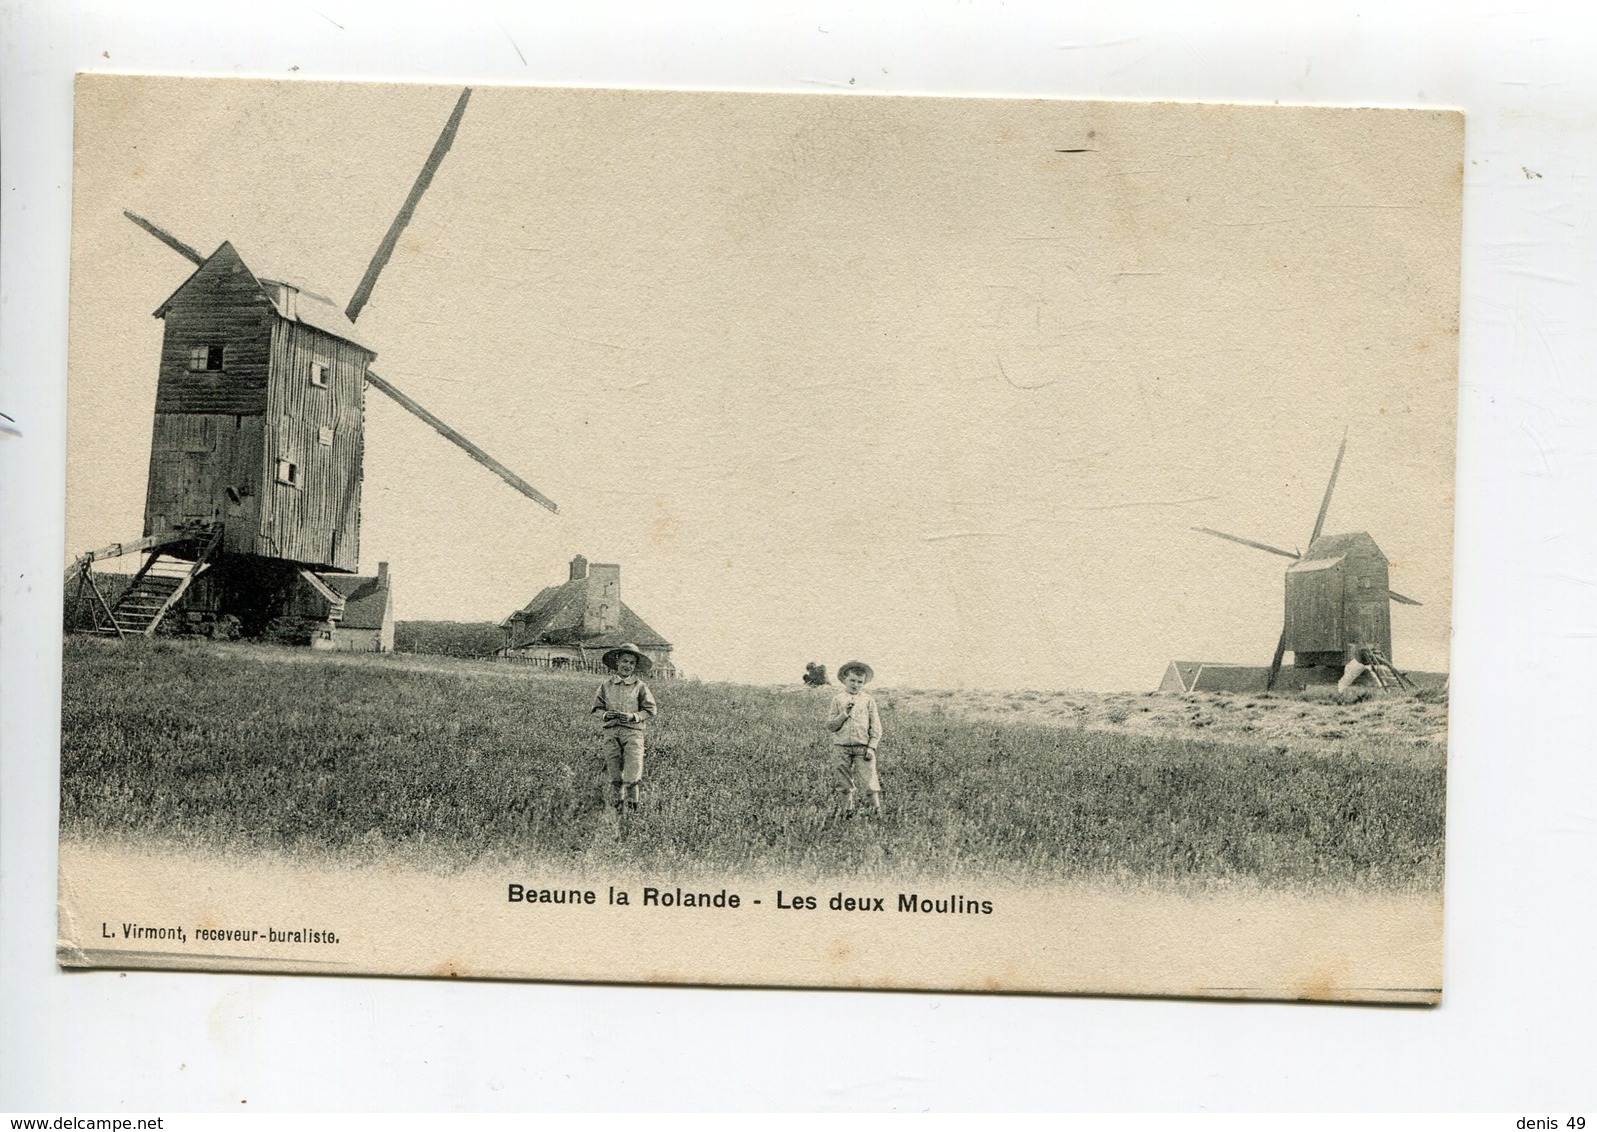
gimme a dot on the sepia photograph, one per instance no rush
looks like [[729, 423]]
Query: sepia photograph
[[830, 539]]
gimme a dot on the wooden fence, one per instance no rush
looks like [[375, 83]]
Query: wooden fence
[[562, 664]]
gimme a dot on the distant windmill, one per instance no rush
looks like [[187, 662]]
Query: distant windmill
[[259, 436], [1337, 597]]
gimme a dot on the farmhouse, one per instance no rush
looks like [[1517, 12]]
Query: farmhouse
[[345, 612], [572, 624]]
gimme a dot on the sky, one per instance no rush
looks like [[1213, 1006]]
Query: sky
[[941, 384]]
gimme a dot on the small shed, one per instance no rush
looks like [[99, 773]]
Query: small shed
[[1199, 676], [346, 612]]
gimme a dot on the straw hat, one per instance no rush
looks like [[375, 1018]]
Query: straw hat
[[856, 666], [645, 665]]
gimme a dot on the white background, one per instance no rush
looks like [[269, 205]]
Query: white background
[[1515, 1028]]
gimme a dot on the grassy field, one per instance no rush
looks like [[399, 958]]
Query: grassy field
[[238, 748]]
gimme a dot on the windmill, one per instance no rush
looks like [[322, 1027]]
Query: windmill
[[1338, 602], [259, 435]]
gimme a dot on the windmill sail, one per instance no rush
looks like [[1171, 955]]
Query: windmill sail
[[166, 238], [1249, 542], [1325, 504], [363, 292], [467, 446]]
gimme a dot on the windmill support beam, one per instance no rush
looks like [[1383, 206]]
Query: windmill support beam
[[1275, 664], [78, 598], [118, 549], [335, 601], [104, 605], [470, 449]]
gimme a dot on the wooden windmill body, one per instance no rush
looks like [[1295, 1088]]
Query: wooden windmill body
[[1338, 600], [258, 439], [259, 418]]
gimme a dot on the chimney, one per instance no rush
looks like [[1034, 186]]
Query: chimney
[[382, 573], [579, 568], [602, 612]]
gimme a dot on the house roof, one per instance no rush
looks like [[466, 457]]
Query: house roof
[[365, 599], [1184, 671], [554, 617], [291, 299]]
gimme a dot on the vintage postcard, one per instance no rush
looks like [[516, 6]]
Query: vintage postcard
[[761, 539]]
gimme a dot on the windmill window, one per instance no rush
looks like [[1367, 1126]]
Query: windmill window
[[288, 472], [319, 374], [206, 357], [324, 437]]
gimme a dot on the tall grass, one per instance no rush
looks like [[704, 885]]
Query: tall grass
[[239, 748]]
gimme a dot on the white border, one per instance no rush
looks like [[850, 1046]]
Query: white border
[[1515, 1031]]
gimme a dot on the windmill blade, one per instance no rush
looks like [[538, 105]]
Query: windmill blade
[[1249, 542], [1325, 504], [166, 238], [357, 302], [1397, 597], [471, 449], [1275, 664]]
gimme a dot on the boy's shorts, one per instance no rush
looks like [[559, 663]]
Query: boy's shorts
[[622, 752], [858, 767]]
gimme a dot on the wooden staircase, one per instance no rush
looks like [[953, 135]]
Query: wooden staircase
[[154, 591]]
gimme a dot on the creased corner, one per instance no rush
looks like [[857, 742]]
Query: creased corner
[[69, 951]]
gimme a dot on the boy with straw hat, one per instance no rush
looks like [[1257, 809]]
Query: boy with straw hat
[[627, 705], [856, 729]]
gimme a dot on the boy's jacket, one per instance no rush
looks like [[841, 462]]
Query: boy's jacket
[[853, 720], [631, 696]]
